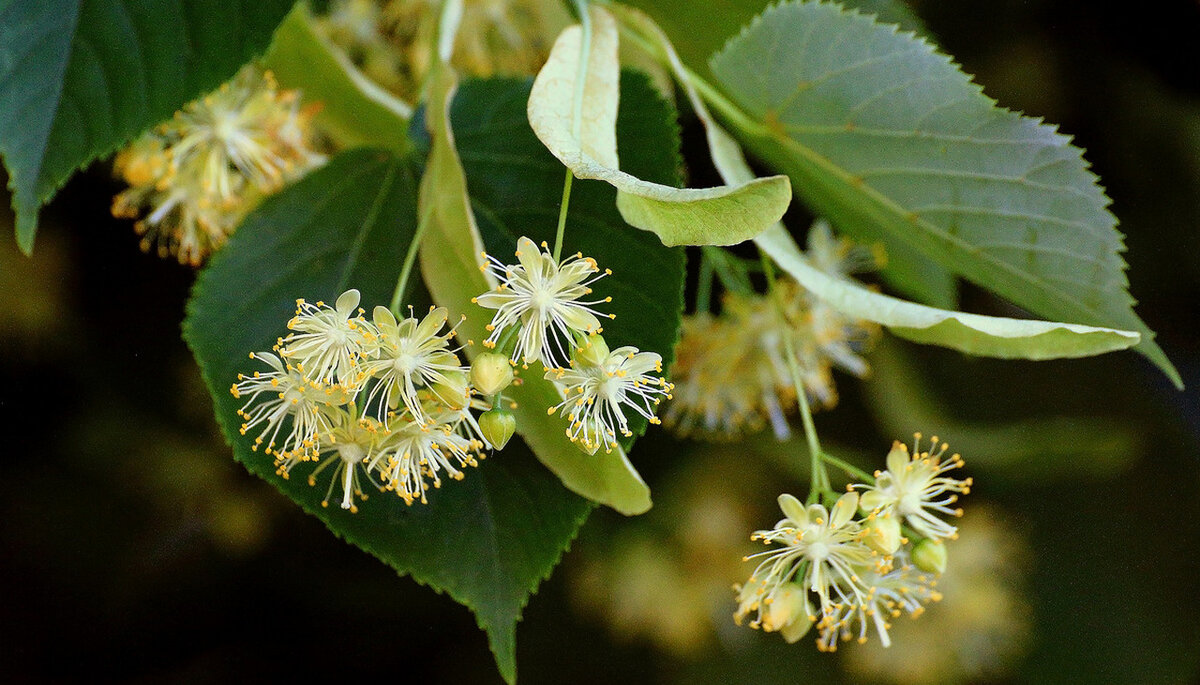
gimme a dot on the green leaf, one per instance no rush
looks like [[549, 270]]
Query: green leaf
[[699, 34], [515, 187], [891, 141], [79, 78], [891, 12], [354, 110], [575, 118], [985, 336], [487, 540]]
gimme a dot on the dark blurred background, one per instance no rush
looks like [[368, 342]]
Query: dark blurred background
[[133, 548]]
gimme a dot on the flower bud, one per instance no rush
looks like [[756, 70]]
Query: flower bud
[[788, 612], [452, 390], [491, 373], [593, 352], [930, 556], [883, 533], [497, 426]]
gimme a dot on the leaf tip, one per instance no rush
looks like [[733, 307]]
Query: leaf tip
[[26, 228]]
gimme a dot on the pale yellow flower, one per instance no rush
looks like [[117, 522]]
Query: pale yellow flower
[[408, 355], [195, 177], [287, 396], [915, 488], [597, 395], [819, 550], [544, 298], [327, 344]]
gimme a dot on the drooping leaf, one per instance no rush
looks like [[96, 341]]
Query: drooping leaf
[[78, 78], [985, 336], [487, 540], [515, 187], [353, 109], [891, 141], [575, 118]]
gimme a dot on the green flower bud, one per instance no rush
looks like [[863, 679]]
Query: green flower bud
[[883, 533], [930, 556], [593, 352], [452, 390], [491, 373], [497, 425], [788, 612]]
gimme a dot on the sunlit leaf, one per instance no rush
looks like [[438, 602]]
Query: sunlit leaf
[[985, 336], [891, 141]]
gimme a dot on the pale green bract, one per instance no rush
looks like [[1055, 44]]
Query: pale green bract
[[584, 139], [891, 141], [354, 110], [985, 336]]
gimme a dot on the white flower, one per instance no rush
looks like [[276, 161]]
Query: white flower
[[288, 394], [821, 550], [914, 488], [327, 344], [542, 297], [900, 589], [408, 355], [247, 131], [723, 385], [732, 371], [416, 452], [349, 445], [595, 394]]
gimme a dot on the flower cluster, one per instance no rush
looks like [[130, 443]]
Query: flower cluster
[[862, 562], [542, 314], [194, 178], [384, 400], [391, 41], [732, 371]]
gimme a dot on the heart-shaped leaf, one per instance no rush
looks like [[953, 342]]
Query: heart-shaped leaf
[[487, 540]]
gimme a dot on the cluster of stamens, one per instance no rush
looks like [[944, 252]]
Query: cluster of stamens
[[733, 371], [384, 400], [863, 562], [194, 178], [541, 311]]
